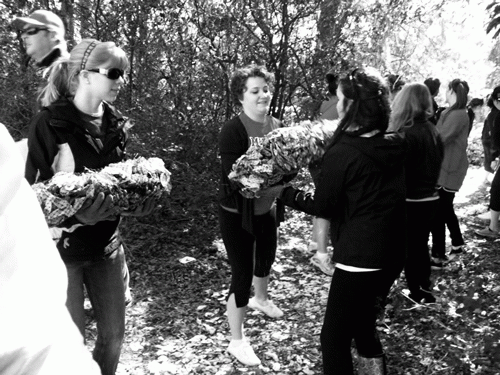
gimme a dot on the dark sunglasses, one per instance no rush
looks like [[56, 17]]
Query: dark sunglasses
[[33, 31], [113, 73]]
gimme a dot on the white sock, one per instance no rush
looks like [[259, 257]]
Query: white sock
[[321, 255], [236, 343]]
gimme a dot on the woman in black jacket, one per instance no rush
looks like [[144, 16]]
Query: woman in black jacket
[[411, 111], [361, 189]]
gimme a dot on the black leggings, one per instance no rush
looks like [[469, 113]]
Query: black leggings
[[354, 301], [445, 217], [420, 216], [495, 192], [248, 254]]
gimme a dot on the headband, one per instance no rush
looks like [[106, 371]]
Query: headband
[[87, 53]]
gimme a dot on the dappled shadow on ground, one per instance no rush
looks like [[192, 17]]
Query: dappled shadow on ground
[[180, 276]]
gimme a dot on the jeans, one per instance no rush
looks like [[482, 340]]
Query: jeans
[[103, 281], [445, 217], [420, 216]]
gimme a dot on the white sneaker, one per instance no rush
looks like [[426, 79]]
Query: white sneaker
[[243, 352], [324, 264], [312, 246], [268, 308]]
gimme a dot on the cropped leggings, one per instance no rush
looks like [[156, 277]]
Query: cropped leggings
[[248, 254]]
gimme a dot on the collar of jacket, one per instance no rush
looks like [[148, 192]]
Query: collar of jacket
[[65, 114], [50, 58]]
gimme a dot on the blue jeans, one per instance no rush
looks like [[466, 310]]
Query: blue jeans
[[103, 281]]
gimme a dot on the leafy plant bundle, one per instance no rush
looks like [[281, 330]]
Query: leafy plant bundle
[[283, 151], [130, 183]]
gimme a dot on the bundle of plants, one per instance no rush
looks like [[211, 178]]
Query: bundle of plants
[[282, 152], [130, 183]]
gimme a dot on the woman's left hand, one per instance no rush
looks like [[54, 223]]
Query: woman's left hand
[[148, 207]]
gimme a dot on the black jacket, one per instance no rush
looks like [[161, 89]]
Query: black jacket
[[423, 159], [362, 191], [59, 142]]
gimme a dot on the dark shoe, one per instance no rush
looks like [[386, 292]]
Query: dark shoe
[[371, 366]]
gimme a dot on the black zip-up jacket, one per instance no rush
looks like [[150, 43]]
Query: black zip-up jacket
[[57, 142], [362, 191], [423, 159]]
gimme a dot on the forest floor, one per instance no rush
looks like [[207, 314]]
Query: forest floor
[[177, 324]]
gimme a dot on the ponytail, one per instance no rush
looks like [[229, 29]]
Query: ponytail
[[57, 83]]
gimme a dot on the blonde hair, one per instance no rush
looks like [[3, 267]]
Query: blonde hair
[[413, 101], [88, 54]]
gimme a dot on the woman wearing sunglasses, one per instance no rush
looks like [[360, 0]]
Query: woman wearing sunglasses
[[361, 189], [79, 129]]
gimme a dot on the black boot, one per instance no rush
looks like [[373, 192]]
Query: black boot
[[372, 366]]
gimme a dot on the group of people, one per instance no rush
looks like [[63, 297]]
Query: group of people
[[386, 182], [384, 187]]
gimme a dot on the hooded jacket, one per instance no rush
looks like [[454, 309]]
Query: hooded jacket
[[362, 191], [58, 141]]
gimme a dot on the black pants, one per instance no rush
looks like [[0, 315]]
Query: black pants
[[420, 216], [354, 302], [248, 254], [495, 192], [445, 217]]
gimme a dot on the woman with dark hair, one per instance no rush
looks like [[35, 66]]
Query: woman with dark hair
[[248, 226], [411, 111], [395, 83], [453, 127], [433, 85], [361, 189], [491, 144]]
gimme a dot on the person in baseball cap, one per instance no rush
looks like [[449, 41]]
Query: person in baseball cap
[[43, 35]]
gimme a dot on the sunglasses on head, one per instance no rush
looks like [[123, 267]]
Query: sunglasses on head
[[33, 31], [113, 73]]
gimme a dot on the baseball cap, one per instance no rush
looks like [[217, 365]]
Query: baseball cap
[[41, 18]]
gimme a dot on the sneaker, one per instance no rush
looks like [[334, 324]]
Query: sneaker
[[243, 352], [487, 232], [324, 264], [312, 246], [437, 264], [268, 307]]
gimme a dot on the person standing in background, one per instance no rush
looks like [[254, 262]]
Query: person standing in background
[[433, 85], [491, 144], [453, 127], [395, 83], [43, 35], [411, 110]]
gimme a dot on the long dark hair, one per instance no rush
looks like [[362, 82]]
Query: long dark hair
[[367, 94]]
